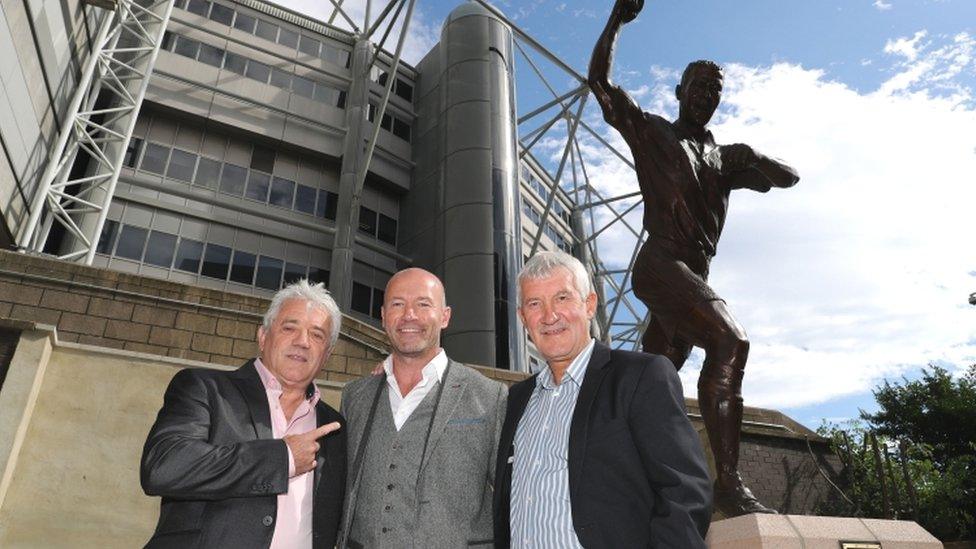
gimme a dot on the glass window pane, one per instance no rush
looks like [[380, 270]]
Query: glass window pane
[[131, 241], [282, 191], [308, 46], [155, 159], [302, 86], [106, 240], [325, 94], [257, 186], [360, 298], [199, 7], [216, 261], [243, 268], [244, 23], [269, 273], [169, 39], [188, 255], [294, 272], [367, 220], [232, 180], [404, 90], [235, 63], [316, 275], [262, 159], [305, 199], [280, 79], [132, 152], [208, 173], [387, 229], [341, 100], [159, 252], [266, 30], [187, 47], [326, 207], [257, 71], [387, 123], [401, 129], [377, 304], [221, 14], [181, 164], [288, 38], [211, 55]]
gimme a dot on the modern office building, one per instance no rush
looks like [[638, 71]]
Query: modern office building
[[241, 171]]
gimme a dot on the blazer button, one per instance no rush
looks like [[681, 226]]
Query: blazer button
[[268, 520]]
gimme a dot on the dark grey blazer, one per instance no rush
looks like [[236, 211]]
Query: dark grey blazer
[[212, 458], [637, 472], [458, 469]]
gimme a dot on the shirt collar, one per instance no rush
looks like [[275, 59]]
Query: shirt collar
[[433, 370], [574, 373], [272, 385]]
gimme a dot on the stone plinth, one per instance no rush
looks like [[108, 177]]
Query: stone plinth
[[810, 532]]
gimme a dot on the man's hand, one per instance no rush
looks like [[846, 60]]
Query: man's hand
[[629, 9], [738, 157], [304, 446]]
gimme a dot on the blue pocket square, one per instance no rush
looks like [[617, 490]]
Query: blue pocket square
[[466, 421]]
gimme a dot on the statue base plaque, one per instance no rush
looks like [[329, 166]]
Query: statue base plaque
[[812, 532]]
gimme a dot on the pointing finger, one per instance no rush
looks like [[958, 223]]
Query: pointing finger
[[326, 429]]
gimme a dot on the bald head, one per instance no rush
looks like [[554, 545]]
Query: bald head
[[414, 313]]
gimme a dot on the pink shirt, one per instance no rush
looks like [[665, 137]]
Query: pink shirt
[[293, 525]]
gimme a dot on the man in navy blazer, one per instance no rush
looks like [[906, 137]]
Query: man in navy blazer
[[252, 458], [596, 450]]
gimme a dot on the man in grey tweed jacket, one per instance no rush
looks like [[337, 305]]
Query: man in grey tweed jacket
[[422, 435]]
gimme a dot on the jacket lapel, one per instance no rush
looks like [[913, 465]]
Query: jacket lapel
[[249, 383], [454, 388], [595, 372], [321, 457]]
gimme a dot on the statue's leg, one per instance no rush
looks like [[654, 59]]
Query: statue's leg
[[712, 327], [655, 341]]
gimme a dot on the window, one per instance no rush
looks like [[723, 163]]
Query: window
[[282, 192], [244, 23], [188, 255], [257, 71], [131, 242], [168, 40], [208, 173], [159, 252], [235, 63], [199, 7], [257, 186], [280, 79], [187, 47], [305, 199], [325, 94], [327, 205], [316, 274], [266, 30], [216, 261], [367, 220], [262, 159], [106, 240], [376, 310], [232, 180], [154, 160], [309, 46], [401, 129], [294, 272], [181, 164], [387, 229], [288, 38], [132, 152], [303, 86], [221, 14], [361, 298], [269, 273], [211, 55], [243, 268], [404, 90]]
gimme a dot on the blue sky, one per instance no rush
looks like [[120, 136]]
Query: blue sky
[[861, 272]]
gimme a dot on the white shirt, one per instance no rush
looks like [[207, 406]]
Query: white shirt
[[403, 406]]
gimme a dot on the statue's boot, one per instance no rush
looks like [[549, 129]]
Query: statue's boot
[[720, 400]]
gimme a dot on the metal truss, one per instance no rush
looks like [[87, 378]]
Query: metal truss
[[98, 124], [557, 136]]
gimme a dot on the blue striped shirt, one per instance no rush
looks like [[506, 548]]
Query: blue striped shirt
[[541, 515]]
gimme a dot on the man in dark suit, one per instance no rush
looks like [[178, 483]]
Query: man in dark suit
[[253, 457], [596, 450]]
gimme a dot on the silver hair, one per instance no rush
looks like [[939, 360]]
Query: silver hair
[[543, 264], [316, 294]]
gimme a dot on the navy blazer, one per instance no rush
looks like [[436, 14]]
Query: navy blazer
[[637, 472], [212, 458]]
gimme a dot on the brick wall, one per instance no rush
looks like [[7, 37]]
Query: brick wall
[[783, 472]]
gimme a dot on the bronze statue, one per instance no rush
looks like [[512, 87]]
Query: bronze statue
[[685, 180]]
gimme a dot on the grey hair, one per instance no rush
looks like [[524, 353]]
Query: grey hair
[[316, 294], [543, 264]]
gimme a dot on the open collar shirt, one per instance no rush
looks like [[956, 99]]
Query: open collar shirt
[[403, 406], [541, 514]]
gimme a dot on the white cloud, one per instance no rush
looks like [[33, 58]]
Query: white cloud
[[862, 270], [881, 5]]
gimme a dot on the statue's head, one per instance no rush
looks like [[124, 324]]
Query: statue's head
[[699, 92]]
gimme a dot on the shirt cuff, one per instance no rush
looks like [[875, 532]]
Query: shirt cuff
[[291, 463]]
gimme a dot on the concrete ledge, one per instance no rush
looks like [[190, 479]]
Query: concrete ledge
[[810, 532]]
